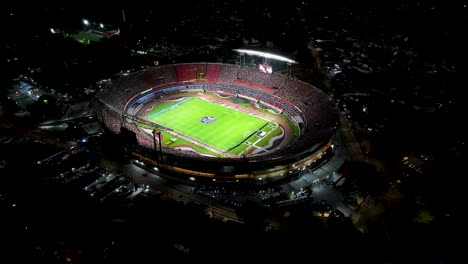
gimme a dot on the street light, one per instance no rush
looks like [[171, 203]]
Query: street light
[[85, 22], [101, 25]]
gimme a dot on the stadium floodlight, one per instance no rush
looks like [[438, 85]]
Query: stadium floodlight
[[85, 22], [265, 55]]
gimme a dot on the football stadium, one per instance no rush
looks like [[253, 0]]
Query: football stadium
[[223, 123]]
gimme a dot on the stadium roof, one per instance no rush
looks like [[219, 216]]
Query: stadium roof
[[265, 55]]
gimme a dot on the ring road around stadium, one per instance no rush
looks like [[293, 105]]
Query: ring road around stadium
[[209, 122]]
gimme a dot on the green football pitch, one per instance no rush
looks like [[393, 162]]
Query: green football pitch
[[229, 128]]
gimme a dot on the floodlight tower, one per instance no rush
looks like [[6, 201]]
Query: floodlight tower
[[86, 23], [123, 16], [241, 59], [158, 153]]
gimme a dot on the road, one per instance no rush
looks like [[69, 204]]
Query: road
[[169, 189], [175, 191]]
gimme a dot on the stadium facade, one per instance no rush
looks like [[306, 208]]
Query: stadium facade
[[308, 108]]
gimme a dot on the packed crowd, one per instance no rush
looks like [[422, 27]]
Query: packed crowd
[[314, 110], [119, 91], [197, 72]]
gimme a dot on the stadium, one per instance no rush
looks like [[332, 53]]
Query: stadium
[[223, 123]]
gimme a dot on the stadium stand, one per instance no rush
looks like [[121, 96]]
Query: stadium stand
[[312, 109]]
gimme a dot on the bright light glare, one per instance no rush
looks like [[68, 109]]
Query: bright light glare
[[101, 25], [265, 55], [52, 31], [86, 22]]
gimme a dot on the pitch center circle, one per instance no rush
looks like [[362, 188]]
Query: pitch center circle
[[207, 119]]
